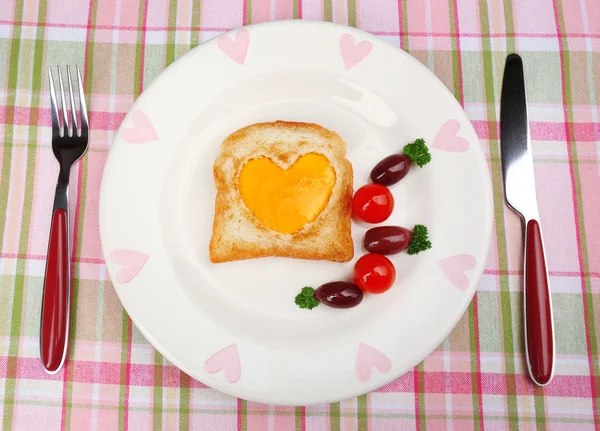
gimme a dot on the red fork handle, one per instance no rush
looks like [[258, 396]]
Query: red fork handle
[[539, 328], [56, 300]]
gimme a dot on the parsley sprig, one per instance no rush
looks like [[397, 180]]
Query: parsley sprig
[[418, 152], [420, 240], [306, 298]]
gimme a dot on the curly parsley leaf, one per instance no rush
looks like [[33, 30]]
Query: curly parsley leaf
[[418, 152], [306, 299], [420, 240]]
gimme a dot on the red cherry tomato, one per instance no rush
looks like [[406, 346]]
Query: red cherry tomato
[[374, 273], [373, 203]]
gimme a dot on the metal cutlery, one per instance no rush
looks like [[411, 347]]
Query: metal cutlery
[[69, 143], [519, 190]]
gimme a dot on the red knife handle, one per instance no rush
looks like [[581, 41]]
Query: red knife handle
[[539, 328], [55, 303]]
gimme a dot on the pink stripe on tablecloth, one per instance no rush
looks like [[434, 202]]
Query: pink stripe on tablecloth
[[261, 11], [552, 273], [416, 391], [339, 12], [284, 9], [257, 418], [535, 15], [491, 384], [495, 384], [542, 131], [285, 421], [404, 383], [303, 418], [480, 35], [593, 18], [212, 12], [312, 10], [214, 29], [468, 13], [101, 120], [96, 372], [134, 28], [43, 257]]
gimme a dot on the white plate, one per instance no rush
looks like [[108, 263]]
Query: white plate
[[235, 326]]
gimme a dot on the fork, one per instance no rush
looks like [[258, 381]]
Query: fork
[[68, 145]]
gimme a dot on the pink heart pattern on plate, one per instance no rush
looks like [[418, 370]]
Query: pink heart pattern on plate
[[141, 131], [131, 263], [228, 360], [454, 268], [352, 53], [368, 358], [446, 139], [235, 48]]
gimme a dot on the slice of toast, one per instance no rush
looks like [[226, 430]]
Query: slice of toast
[[238, 234]]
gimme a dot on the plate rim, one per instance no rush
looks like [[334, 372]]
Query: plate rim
[[474, 279]]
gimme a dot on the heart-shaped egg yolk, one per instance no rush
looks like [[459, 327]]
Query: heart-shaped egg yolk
[[284, 200]]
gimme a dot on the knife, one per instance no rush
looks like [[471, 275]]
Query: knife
[[519, 190]]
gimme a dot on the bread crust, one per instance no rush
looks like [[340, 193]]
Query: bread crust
[[238, 235]]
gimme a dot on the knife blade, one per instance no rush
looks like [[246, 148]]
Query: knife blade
[[519, 191]]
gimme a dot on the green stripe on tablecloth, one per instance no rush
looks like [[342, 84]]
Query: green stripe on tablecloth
[[572, 148], [244, 415], [454, 45], [18, 294], [171, 32], [422, 418], [404, 36], [473, 359], [125, 327], [352, 13], [505, 296], [298, 411], [538, 405], [296, 8], [184, 401], [157, 394], [195, 35], [334, 417], [138, 74], [248, 17], [509, 24], [362, 412], [328, 10]]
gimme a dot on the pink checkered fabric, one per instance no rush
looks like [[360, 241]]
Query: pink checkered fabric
[[476, 379]]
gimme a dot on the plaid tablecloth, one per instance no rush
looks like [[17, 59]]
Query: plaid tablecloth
[[115, 380]]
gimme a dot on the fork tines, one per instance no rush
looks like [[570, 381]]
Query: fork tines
[[62, 129]]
